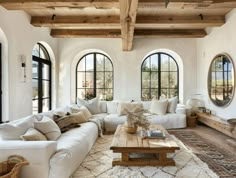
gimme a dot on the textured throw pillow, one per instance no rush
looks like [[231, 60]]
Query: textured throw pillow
[[78, 117], [65, 123], [10, 132], [48, 127], [33, 135], [172, 105], [92, 105], [112, 107], [124, 108], [159, 106], [232, 121]]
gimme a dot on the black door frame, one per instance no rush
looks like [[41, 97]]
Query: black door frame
[[0, 83], [40, 83]]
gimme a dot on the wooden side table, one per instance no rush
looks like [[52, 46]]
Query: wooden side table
[[192, 121]]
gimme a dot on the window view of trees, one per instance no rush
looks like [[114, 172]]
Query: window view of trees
[[94, 75], [159, 76]]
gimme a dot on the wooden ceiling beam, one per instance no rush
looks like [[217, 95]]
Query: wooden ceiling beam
[[113, 22], [128, 12], [167, 33], [104, 4], [188, 22], [52, 4], [100, 22], [75, 33]]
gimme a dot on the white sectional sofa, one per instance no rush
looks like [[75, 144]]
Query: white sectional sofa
[[60, 158]]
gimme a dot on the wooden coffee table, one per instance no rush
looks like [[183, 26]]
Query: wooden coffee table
[[136, 151]]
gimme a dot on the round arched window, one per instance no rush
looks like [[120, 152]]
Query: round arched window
[[160, 76], [94, 77]]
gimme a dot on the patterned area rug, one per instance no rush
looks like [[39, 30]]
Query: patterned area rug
[[98, 164], [221, 162]]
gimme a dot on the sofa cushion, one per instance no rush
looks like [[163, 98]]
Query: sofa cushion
[[159, 106], [103, 106], [112, 121], [172, 104], [48, 127], [124, 108], [73, 146], [112, 107], [92, 105], [33, 135]]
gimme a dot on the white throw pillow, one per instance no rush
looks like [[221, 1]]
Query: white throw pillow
[[112, 107], [124, 108], [48, 127], [159, 106], [92, 105], [86, 112], [33, 135], [172, 105], [10, 132]]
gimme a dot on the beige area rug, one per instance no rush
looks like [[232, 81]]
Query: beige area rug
[[98, 164]]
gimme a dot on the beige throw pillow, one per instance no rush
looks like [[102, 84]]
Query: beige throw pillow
[[124, 108], [78, 117], [33, 135], [159, 106], [48, 127]]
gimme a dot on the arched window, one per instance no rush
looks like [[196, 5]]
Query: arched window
[[94, 77], [41, 79], [160, 76]]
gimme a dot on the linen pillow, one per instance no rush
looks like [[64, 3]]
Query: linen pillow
[[33, 135], [11, 132], [92, 105], [112, 107], [65, 123], [85, 111], [124, 108], [172, 104], [79, 117], [159, 106], [48, 127]]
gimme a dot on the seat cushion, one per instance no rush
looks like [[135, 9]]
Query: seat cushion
[[112, 121], [169, 121], [73, 146]]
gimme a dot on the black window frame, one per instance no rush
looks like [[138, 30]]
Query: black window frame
[[40, 79], [159, 75], [94, 76], [0, 83]]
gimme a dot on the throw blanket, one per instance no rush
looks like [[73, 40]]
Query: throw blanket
[[99, 122]]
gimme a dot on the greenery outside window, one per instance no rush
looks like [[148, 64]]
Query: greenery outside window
[[94, 77], [160, 76]]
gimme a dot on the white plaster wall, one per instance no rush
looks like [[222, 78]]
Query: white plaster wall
[[127, 65], [219, 40], [21, 37]]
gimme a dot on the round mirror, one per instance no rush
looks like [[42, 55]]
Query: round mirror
[[221, 80]]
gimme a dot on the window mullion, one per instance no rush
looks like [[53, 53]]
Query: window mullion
[[40, 88], [95, 74], [159, 75]]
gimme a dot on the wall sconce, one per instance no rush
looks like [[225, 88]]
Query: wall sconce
[[23, 68]]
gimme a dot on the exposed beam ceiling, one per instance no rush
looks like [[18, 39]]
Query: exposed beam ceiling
[[128, 12], [125, 19]]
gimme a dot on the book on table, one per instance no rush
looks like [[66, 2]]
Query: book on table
[[155, 134]]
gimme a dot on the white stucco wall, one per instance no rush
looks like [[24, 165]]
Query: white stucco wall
[[127, 65], [21, 37], [219, 40]]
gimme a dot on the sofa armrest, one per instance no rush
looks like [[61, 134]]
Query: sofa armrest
[[37, 153]]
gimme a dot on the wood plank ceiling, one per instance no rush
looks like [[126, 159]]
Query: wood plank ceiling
[[125, 19]]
